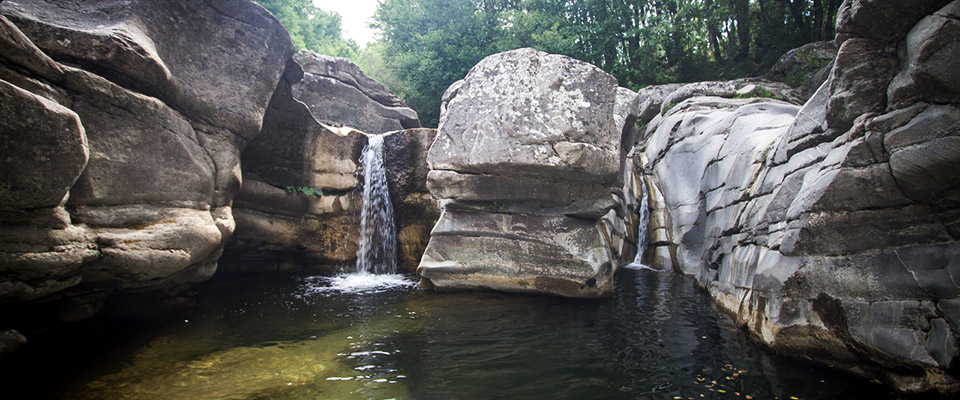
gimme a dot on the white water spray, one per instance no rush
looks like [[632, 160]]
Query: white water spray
[[378, 237], [376, 268], [642, 225]]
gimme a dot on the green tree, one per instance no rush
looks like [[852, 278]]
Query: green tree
[[429, 44], [311, 28]]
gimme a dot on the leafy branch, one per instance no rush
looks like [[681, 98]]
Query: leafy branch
[[306, 190]]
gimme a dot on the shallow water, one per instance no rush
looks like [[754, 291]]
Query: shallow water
[[288, 337]]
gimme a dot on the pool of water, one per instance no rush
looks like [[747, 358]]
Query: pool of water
[[294, 337]]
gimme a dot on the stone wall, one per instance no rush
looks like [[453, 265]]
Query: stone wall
[[829, 230]]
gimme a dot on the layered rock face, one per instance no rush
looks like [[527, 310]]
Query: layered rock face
[[123, 123], [299, 207], [830, 230], [529, 166]]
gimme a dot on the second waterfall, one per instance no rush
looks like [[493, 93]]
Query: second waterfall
[[377, 251]]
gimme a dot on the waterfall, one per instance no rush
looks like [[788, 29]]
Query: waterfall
[[378, 238], [643, 223], [377, 252]]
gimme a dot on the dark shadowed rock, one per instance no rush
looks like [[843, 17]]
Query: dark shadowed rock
[[129, 118]]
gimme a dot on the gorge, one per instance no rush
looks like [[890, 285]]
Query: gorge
[[149, 146]]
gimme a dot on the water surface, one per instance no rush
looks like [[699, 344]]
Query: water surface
[[290, 337]]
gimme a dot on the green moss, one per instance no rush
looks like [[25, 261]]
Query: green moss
[[766, 155], [306, 190], [757, 92], [669, 106]]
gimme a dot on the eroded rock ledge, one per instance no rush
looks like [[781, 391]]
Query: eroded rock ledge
[[121, 144], [830, 230], [313, 134], [529, 166]]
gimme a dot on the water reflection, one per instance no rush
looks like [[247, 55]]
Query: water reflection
[[283, 338]]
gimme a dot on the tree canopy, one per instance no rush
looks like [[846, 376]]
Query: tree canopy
[[427, 45], [311, 28]]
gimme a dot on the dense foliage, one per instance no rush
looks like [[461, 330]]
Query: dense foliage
[[310, 27], [429, 44]]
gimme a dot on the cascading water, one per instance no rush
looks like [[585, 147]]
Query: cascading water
[[378, 237], [376, 267], [642, 227]]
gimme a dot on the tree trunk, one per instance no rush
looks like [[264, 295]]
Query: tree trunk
[[742, 11], [797, 13], [817, 20], [831, 20], [712, 32]]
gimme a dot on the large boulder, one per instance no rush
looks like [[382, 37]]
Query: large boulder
[[831, 229], [123, 122], [300, 204], [529, 166], [337, 92]]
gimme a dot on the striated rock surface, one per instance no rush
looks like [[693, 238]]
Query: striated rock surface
[[529, 166], [830, 230], [299, 207], [338, 93], [122, 126]]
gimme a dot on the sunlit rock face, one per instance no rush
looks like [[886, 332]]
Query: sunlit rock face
[[529, 166], [300, 203], [122, 127], [830, 229]]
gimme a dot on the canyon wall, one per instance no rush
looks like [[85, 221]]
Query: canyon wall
[[828, 229], [122, 128]]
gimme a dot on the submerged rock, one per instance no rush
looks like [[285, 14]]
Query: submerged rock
[[528, 163], [829, 230], [123, 122]]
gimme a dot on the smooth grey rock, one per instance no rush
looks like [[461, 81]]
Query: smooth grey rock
[[716, 89], [832, 234], [337, 92], [530, 165], [651, 99], [44, 148], [885, 325], [930, 70], [858, 83], [942, 343], [881, 20], [519, 253], [525, 112]]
